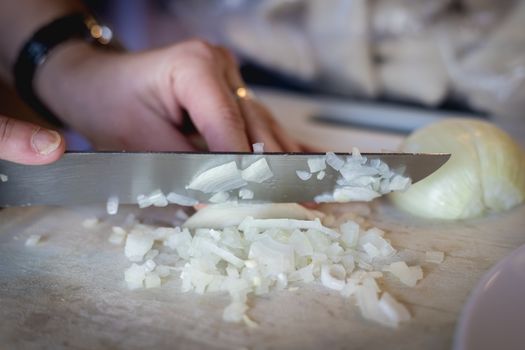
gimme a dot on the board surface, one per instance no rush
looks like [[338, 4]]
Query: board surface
[[69, 290]]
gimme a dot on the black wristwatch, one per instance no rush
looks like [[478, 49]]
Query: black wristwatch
[[36, 50]]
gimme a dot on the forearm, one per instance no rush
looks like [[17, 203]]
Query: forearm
[[19, 19]]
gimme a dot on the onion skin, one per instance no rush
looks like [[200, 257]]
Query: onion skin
[[485, 173]]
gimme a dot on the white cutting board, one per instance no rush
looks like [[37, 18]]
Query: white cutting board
[[69, 291]]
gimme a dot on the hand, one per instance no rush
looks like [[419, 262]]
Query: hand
[[136, 101], [25, 143]]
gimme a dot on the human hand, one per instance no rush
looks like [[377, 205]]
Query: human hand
[[136, 101], [25, 143]]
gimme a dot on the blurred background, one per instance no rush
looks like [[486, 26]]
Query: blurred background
[[392, 57]]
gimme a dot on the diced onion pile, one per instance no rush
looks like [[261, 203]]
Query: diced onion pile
[[261, 253], [360, 179]]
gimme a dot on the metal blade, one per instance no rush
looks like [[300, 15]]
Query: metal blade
[[91, 177]]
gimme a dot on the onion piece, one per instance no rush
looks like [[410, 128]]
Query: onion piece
[[33, 240], [117, 236], [350, 233], [316, 164], [333, 276], [158, 199], [334, 161], [152, 280], [112, 205], [224, 177], [134, 276], [211, 247], [303, 175], [245, 193], [257, 172], [258, 147], [288, 224], [179, 199], [137, 245], [407, 275], [394, 310], [4, 178], [234, 312], [274, 257], [223, 215], [350, 194], [321, 175]]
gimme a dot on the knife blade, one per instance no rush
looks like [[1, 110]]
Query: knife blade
[[92, 177]]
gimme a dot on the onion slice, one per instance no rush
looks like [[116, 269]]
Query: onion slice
[[224, 177]]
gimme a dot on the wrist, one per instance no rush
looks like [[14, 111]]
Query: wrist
[[64, 79], [44, 43]]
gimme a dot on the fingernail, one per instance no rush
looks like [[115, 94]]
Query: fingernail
[[45, 141]]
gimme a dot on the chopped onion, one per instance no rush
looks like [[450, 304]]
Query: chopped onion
[[162, 271], [179, 199], [33, 240], [287, 224], [274, 257], [350, 194], [316, 164], [224, 177], [234, 312], [158, 199], [303, 175], [258, 147], [152, 280], [117, 236], [152, 254], [257, 172], [211, 247], [219, 216], [3, 178], [112, 205], [407, 275], [394, 310], [321, 175], [349, 289], [350, 233], [149, 265], [245, 193], [333, 276], [134, 276], [334, 161], [137, 245], [246, 255], [434, 257]]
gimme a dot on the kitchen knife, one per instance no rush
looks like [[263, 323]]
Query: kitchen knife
[[92, 177]]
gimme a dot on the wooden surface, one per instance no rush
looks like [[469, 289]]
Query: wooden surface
[[69, 291]]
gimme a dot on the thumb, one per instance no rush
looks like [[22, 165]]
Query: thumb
[[26, 143]]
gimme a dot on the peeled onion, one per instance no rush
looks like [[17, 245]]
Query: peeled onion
[[486, 171]]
